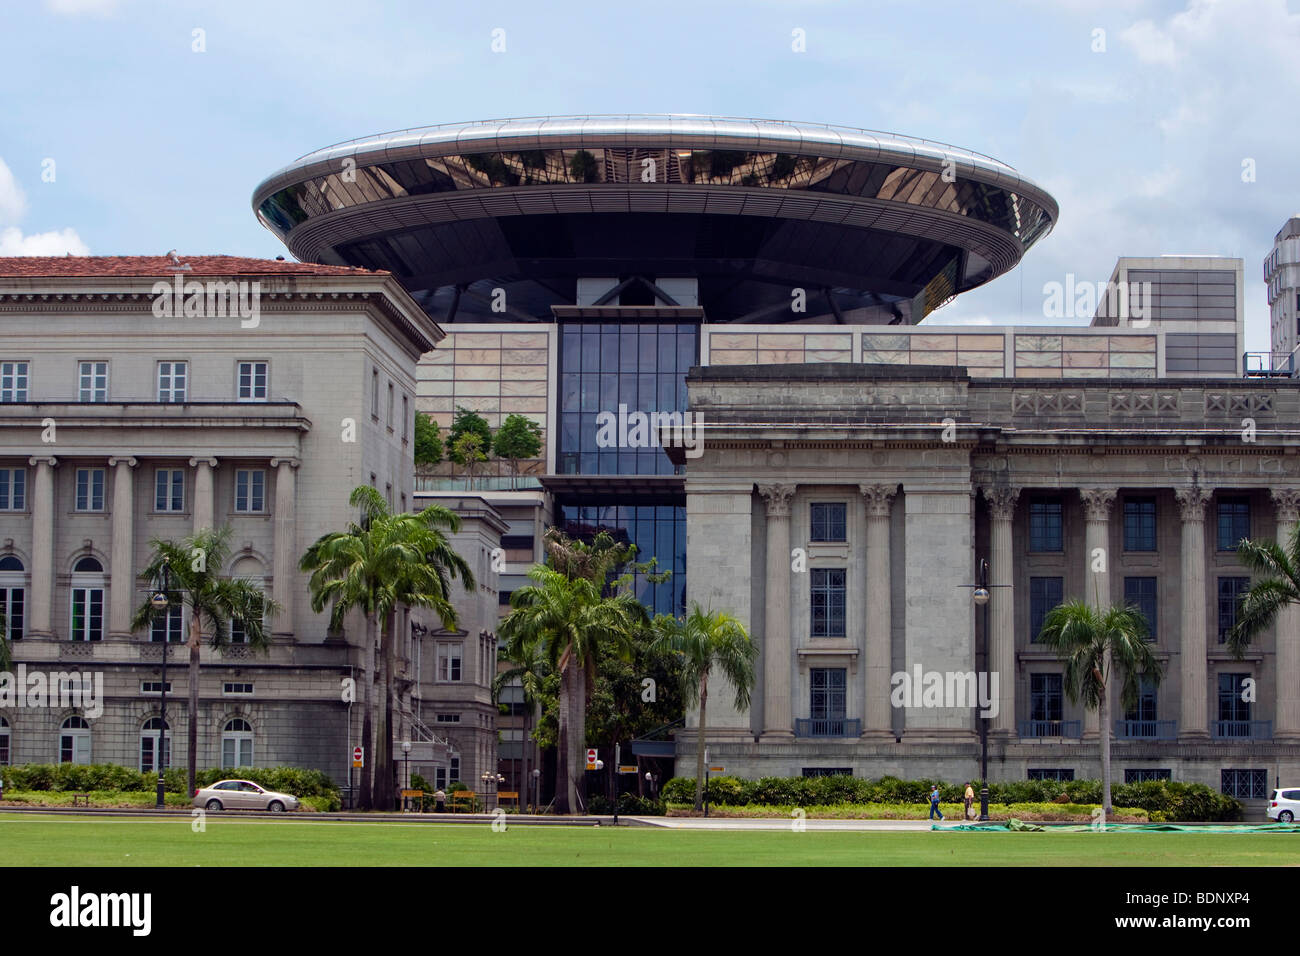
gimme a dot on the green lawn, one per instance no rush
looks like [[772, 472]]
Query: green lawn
[[30, 840]]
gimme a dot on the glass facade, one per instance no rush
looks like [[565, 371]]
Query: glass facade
[[617, 384], [658, 531]]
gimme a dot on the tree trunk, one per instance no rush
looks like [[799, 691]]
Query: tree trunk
[[1103, 717], [699, 743], [368, 720], [563, 783], [385, 796], [192, 744], [578, 748]]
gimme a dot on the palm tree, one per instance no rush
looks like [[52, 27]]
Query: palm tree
[[528, 657], [575, 623], [6, 656], [194, 566], [1281, 586], [385, 561], [707, 641], [1093, 643]]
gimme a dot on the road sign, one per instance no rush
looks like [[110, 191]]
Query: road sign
[[626, 769], [591, 758], [715, 769], [358, 756]]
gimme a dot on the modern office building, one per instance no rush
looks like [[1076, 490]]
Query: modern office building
[[776, 282], [1282, 274]]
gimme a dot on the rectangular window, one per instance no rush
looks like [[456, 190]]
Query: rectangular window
[[828, 693], [406, 417], [253, 381], [1145, 775], [374, 394], [87, 614], [1139, 524], [169, 489], [1234, 522], [171, 624], [237, 689], [1145, 708], [390, 406], [448, 719], [449, 662], [13, 381], [440, 778], [828, 601], [93, 381], [1231, 706], [13, 489], [236, 751], [90, 489], [828, 521], [1045, 697], [1244, 784], [154, 687], [1231, 591], [250, 490], [1050, 773], [12, 605], [1141, 593], [172, 381], [1044, 594], [1045, 526]]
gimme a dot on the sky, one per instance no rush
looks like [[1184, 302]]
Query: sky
[[1160, 126]]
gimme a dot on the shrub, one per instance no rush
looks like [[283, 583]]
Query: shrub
[[84, 778]]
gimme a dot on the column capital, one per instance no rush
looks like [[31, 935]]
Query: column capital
[[878, 498], [291, 462], [127, 460], [1287, 502], [778, 499], [210, 462], [1097, 502], [42, 460], [1001, 500], [1192, 500]]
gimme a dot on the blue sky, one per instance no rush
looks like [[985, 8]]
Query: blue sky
[[156, 146]]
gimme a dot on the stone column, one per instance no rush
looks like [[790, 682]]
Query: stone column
[[777, 722], [1097, 504], [879, 639], [121, 562], [1286, 715], [1002, 605], [204, 516], [1192, 713], [285, 560], [41, 600]]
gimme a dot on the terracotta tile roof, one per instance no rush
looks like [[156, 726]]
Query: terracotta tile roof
[[36, 267]]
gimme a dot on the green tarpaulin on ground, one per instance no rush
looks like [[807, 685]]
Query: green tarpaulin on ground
[[1020, 826]]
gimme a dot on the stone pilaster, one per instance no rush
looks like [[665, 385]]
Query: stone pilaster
[[1097, 504], [40, 602], [777, 722], [204, 504], [878, 722], [1002, 605], [1286, 715], [285, 560], [122, 583], [1192, 721]]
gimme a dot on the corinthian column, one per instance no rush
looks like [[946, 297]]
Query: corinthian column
[[285, 561], [1286, 716], [777, 721], [42, 596], [1002, 600], [878, 721], [120, 561], [1192, 716], [1097, 503]]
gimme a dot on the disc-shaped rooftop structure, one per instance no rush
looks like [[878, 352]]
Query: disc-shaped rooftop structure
[[872, 227]]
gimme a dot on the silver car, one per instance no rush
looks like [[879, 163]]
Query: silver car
[[243, 795]]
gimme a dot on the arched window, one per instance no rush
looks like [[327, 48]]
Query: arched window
[[237, 744], [74, 741], [87, 622], [4, 741], [13, 596], [149, 733]]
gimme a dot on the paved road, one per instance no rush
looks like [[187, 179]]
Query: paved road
[[770, 823]]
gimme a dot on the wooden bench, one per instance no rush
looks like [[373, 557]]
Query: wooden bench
[[81, 798], [412, 797], [504, 795], [459, 797]]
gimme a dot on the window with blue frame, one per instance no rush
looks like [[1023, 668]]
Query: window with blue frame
[[828, 602], [1139, 524], [658, 531], [1046, 697], [1234, 522], [1044, 594], [828, 521], [1231, 591], [1141, 592], [1045, 528]]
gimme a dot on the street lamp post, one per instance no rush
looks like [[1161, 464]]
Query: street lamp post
[[161, 601], [537, 789], [406, 772], [981, 596]]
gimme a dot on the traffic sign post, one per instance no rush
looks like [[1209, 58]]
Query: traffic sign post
[[591, 758], [358, 757]]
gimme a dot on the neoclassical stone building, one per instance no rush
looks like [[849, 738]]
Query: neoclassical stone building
[[842, 512]]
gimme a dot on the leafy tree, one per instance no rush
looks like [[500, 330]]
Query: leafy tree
[[467, 450], [526, 654], [707, 641], [194, 567], [1279, 587], [382, 562], [6, 652], [1093, 643], [428, 441], [471, 422], [519, 437]]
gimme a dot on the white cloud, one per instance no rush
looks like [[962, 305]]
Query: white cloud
[[12, 201], [1150, 43], [74, 8], [14, 243]]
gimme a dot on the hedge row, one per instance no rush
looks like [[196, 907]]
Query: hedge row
[[1172, 800], [629, 804], [112, 777]]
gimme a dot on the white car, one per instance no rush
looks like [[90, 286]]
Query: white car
[[1284, 805], [243, 795]]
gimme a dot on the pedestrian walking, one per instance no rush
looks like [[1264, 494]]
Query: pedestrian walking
[[439, 801], [969, 797], [934, 803]]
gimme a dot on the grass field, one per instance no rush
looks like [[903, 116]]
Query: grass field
[[30, 840]]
